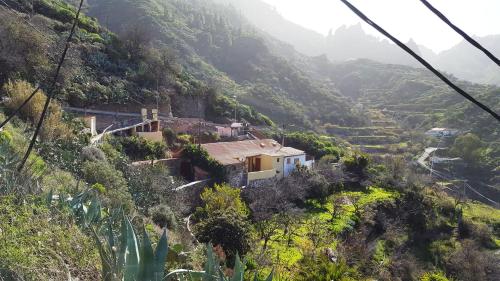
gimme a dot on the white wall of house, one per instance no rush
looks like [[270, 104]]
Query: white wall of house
[[290, 163]]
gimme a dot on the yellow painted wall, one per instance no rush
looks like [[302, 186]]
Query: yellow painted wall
[[269, 163], [267, 174], [266, 162]]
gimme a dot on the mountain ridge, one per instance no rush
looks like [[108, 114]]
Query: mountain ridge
[[461, 60]]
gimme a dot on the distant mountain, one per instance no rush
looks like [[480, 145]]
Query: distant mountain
[[351, 42], [466, 62], [268, 19]]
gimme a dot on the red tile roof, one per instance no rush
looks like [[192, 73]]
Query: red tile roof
[[230, 153]]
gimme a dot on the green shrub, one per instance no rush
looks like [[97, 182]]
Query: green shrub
[[54, 128], [227, 230], [223, 198], [163, 216], [65, 13], [184, 139], [199, 157], [434, 276], [138, 148], [59, 181], [103, 173], [356, 162], [169, 135], [92, 154], [223, 106], [312, 144], [322, 269]]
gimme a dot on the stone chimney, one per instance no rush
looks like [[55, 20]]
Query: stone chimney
[[154, 112], [91, 123], [144, 114]]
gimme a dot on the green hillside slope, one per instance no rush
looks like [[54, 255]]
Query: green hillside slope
[[217, 46]]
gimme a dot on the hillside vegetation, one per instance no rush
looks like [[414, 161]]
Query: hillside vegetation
[[217, 46], [108, 211]]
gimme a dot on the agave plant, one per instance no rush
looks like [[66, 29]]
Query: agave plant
[[213, 272], [126, 257]]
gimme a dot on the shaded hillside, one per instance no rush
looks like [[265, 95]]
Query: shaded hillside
[[351, 42], [419, 93], [467, 62], [266, 18], [214, 44]]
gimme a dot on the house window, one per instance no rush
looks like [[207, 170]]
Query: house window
[[278, 160], [289, 160], [296, 161]]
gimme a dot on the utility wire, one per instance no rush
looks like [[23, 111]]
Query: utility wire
[[20, 14], [421, 60], [50, 92], [19, 108], [447, 177], [461, 32], [17, 14]]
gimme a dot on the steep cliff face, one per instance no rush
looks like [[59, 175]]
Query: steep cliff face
[[351, 42]]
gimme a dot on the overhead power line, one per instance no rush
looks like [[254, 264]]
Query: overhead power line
[[461, 32], [50, 92], [19, 15], [19, 108], [421, 60]]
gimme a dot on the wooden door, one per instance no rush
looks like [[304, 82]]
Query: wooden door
[[257, 164]]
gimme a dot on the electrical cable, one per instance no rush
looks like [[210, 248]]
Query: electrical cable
[[421, 60], [19, 108], [461, 32], [50, 92]]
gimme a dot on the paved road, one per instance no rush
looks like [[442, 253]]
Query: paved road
[[421, 160]]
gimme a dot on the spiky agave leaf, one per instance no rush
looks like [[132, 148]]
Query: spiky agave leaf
[[269, 277], [129, 251], [211, 265], [111, 243], [49, 197], [146, 271], [94, 212], [160, 257], [108, 265], [238, 270]]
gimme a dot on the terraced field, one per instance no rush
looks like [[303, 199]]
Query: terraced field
[[383, 136]]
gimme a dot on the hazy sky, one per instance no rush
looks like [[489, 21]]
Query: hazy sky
[[403, 18]]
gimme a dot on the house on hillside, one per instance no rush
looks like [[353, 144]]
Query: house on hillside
[[441, 132], [253, 163], [233, 130], [148, 127]]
